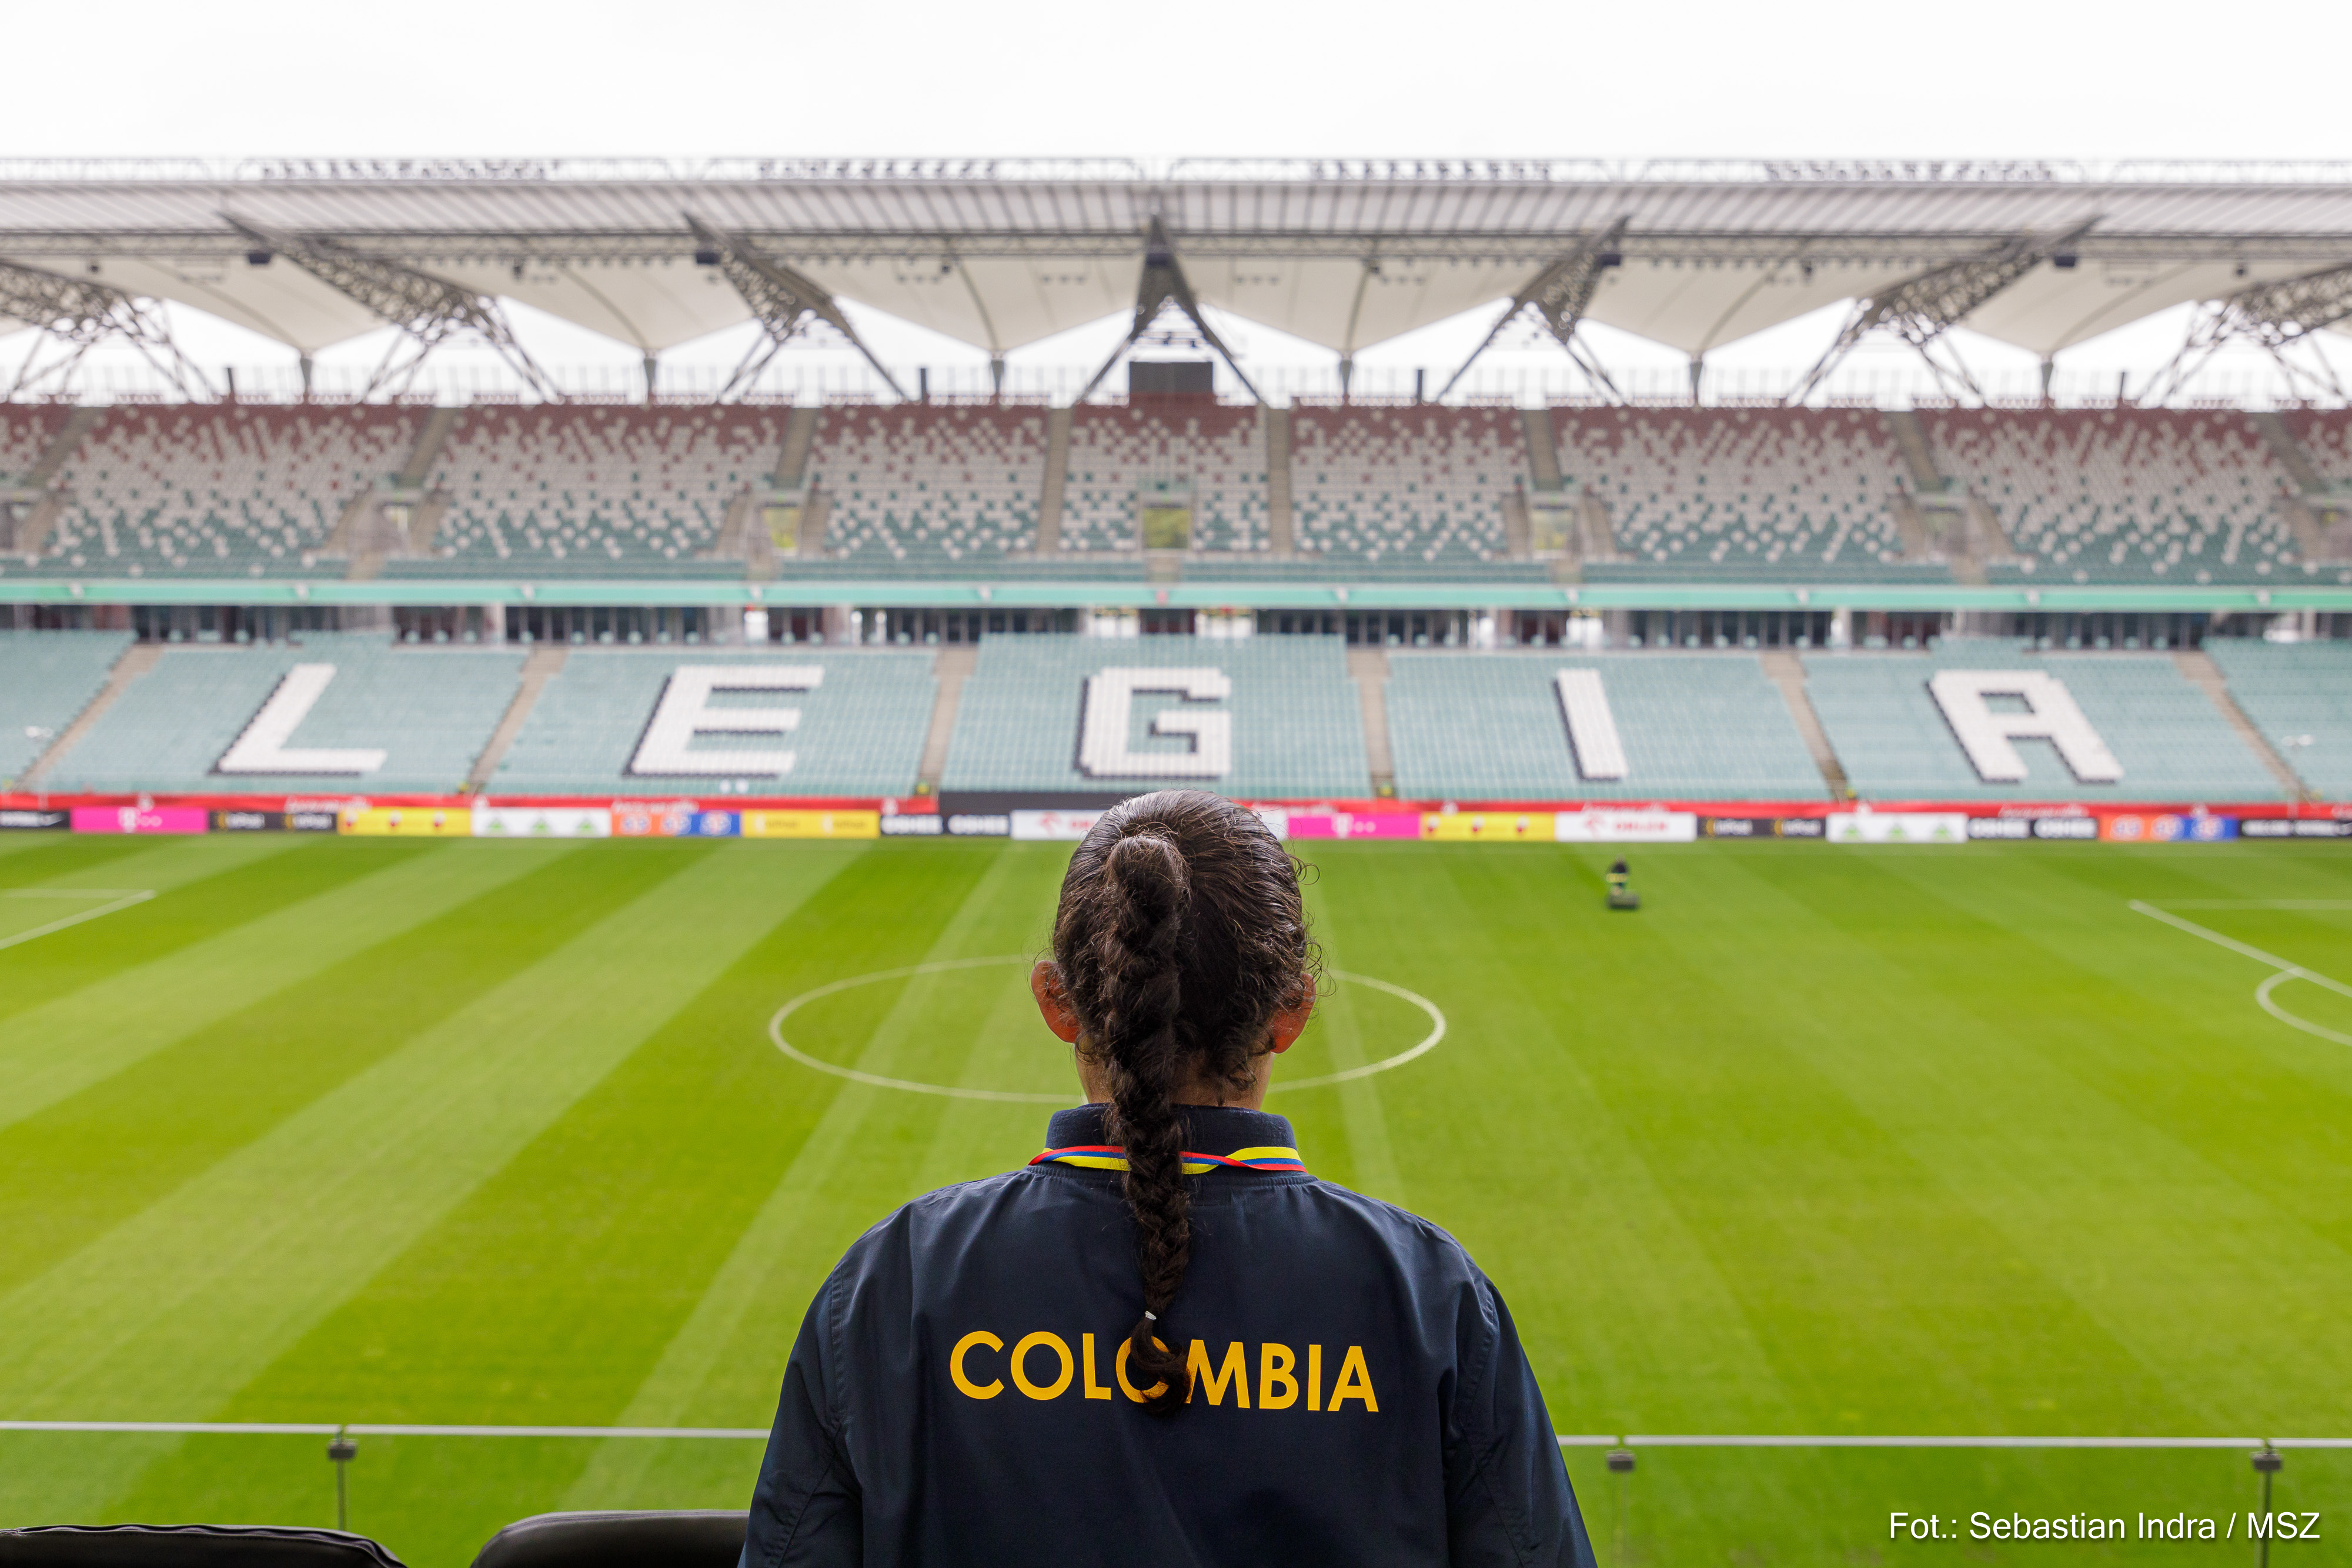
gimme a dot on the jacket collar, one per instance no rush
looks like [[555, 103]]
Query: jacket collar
[[1215, 1137]]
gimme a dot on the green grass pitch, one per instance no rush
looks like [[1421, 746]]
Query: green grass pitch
[[1822, 1141]]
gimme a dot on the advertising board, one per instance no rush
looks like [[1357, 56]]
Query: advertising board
[[1070, 826], [908, 825], [134, 819], [542, 822], [239, 821], [811, 824], [34, 821], [1488, 827], [1351, 825], [409, 822], [1594, 825], [1898, 828]]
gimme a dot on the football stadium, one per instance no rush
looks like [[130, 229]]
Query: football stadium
[[499, 891]]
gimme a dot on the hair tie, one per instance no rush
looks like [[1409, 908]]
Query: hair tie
[[1150, 1317]]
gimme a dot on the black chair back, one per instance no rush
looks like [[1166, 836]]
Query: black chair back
[[680, 1538], [188, 1546]]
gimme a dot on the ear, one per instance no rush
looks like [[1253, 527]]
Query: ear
[[1289, 1022], [1054, 1002]]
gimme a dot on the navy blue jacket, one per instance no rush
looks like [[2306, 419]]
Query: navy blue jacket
[[1357, 1393]]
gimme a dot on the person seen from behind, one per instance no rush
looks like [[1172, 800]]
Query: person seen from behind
[[1163, 1340]]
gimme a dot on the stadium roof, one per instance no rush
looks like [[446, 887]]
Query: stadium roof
[[1001, 254]]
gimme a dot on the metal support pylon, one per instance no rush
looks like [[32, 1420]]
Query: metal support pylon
[[1922, 308], [2284, 318], [1163, 284], [781, 300], [1560, 294], [82, 313], [429, 311]]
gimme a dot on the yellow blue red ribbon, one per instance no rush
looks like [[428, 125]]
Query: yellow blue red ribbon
[[1112, 1157]]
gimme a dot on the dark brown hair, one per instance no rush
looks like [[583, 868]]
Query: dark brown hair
[[1179, 936]]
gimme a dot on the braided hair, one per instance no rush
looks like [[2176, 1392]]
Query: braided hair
[[1179, 936]]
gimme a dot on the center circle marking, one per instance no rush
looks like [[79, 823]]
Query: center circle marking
[[1422, 1048]]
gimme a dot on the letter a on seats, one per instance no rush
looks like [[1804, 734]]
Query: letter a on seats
[[684, 712], [263, 747], [1105, 750], [1592, 727], [1990, 738]]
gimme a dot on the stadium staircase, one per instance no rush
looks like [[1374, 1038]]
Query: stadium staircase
[[51, 446], [544, 663], [951, 670], [1784, 669], [1056, 485], [134, 662], [1280, 536], [2201, 673], [2315, 503], [1368, 668]]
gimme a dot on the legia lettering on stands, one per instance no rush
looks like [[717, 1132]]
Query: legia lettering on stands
[[979, 1368]]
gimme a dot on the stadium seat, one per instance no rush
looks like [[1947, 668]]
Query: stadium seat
[[1296, 722], [2122, 494], [430, 710], [189, 1546], [1417, 485], [918, 483], [47, 678], [1212, 452], [2292, 691], [206, 490], [861, 729], [619, 492], [1695, 727], [679, 1538], [1894, 743], [1740, 493]]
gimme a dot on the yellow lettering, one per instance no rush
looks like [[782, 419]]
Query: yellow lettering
[[1119, 1371], [1235, 1371], [955, 1364], [1273, 1365], [1354, 1382], [1020, 1373], [1094, 1390], [1315, 1377]]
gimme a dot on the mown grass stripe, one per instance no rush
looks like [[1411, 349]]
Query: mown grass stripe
[[67, 1173], [202, 888], [62, 1046]]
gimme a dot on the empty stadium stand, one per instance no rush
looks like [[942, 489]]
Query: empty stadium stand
[[1743, 492], [919, 484], [1693, 727], [597, 491], [430, 711], [47, 678], [25, 432], [1894, 743], [2122, 494], [2326, 436], [1415, 484], [204, 490], [1296, 726], [1210, 456], [860, 730], [2299, 696]]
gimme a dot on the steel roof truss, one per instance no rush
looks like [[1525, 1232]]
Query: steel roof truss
[[1922, 308], [783, 302], [2283, 317], [427, 310], [1560, 294], [1163, 284], [81, 313]]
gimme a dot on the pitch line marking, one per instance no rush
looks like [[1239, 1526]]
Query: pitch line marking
[[118, 898], [2288, 970], [1427, 1043]]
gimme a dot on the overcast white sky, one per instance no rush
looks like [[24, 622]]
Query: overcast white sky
[[2000, 78]]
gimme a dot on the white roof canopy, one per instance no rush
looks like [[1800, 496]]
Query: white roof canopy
[[1345, 255]]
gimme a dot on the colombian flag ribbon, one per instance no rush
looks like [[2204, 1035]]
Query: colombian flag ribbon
[[1111, 1157]]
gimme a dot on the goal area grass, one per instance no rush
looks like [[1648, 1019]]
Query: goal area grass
[[1821, 1142]]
